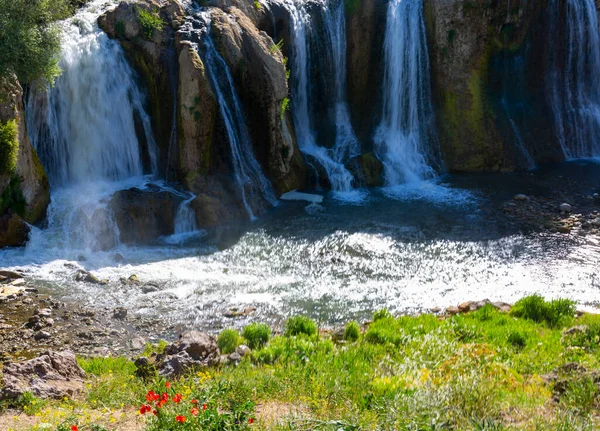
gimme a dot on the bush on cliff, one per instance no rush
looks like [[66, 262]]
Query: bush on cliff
[[30, 38], [9, 147]]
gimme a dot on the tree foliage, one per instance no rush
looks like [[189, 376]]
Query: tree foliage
[[30, 38]]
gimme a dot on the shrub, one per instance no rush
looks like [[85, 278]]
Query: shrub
[[553, 313], [300, 325], [352, 331], [257, 335], [228, 341], [381, 314], [29, 39], [150, 22], [12, 197], [9, 146]]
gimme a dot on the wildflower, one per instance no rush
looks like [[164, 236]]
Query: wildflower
[[145, 409], [164, 397], [161, 403], [194, 401], [168, 385], [251, 420], [74, 428], [177, 398], [154, 412], [204, 407], [152, 396], [194, 411], [180, 419]]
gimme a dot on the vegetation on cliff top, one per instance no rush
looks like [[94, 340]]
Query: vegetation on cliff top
[[30, 39], [485, 370]]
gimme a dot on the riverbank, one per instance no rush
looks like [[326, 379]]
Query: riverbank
[[533, 368]]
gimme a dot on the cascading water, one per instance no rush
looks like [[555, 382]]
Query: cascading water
[[574, 68], [346, 144], [84, 129], [405, 140], [252, 183]]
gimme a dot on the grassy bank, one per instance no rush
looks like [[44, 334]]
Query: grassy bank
[[484, 370]]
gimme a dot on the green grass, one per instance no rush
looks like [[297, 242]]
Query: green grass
[[479, 371], [352, 331]]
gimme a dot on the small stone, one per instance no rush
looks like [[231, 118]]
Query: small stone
[[452, 311], [580, 329], [564, 229], [120, 313], [502, 306], [119, 258], [596, 222], [42, 335], [138, 343], [565, 208], [149, 288], [436, 310], [42, 312], [521, 197], [235, 358], [243, 350], [465, 307]]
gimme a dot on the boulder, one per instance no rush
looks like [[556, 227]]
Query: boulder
[[367, 170], [14, 231], [51, 375], [193, 349], [145, 215]]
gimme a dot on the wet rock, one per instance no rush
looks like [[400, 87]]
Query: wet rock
[[11, 274], [138, 343], [14, 231], [521, 198], [145, 368], [52, 375], [596, 222], [149, 288], [118, 258], [436, 310], [88, 277], [119, 313], [234, 312]]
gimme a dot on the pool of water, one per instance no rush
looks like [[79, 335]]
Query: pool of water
[[408, 248]]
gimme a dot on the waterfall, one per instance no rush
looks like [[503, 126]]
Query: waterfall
[[405, 140], [84, 128], [573, 77], [251, 182], [303, 59]]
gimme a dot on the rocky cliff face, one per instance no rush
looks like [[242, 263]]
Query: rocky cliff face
[[24, 189], [487, 63], [195, 146], [365, 35]]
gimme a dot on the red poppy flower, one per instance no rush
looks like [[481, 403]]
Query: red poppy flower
[[194, 411], [194, 401], [152, 396], [168, 385], [204, 407], [251, 420], [154, 412], [177, 398], [161, 403], [164, 397], [180, 419], [145, 409], [74, 428]]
